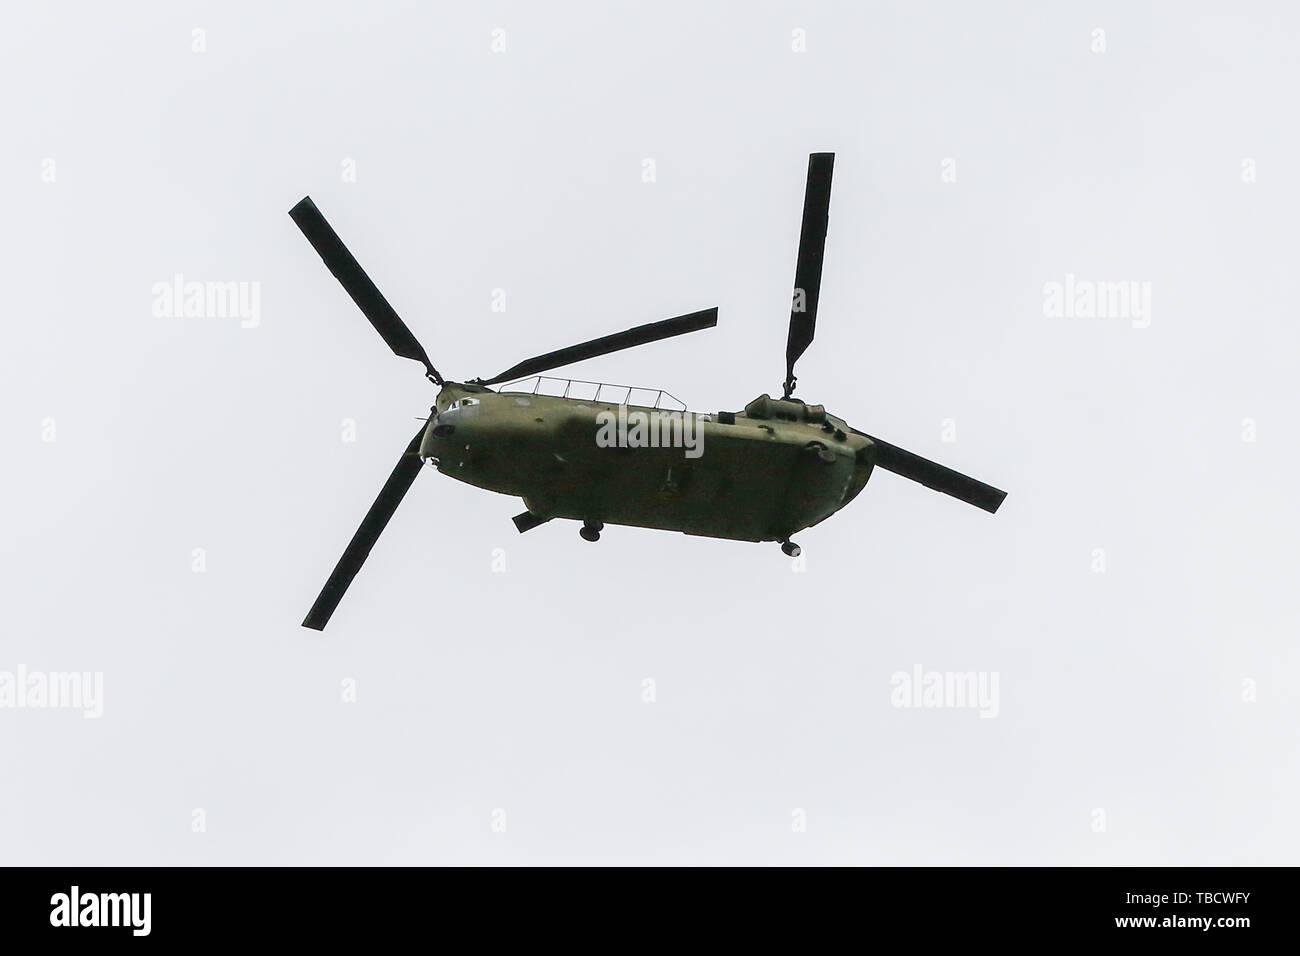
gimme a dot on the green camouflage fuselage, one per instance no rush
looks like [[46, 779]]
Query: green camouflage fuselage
[[758, 475]]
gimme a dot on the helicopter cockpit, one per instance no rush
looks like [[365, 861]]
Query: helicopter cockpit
[[461, 403]]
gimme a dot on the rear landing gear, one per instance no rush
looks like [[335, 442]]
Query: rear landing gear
[[791, 549], [590, 530]]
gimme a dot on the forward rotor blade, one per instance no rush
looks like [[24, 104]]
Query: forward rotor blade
[[358, 549], [808, 269], [936, 476], [359, 285], [641, 335]]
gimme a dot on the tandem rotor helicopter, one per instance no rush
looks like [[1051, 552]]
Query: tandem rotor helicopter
[[765, 473]]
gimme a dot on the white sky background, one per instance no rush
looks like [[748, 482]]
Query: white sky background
[[523, 691]]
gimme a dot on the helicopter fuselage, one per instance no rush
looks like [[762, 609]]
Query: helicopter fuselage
[[762, 474]]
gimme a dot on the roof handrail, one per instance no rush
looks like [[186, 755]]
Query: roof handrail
[[661, 395]]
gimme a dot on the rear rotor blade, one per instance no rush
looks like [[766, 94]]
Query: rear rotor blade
[[936, 476], [808, 270], [372, 526], [641, 335], [359, 285]]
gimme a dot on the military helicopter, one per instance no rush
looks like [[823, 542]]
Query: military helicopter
[[761, 474]]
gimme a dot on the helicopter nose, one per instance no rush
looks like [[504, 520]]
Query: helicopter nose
[[450, 428], [435, 441]]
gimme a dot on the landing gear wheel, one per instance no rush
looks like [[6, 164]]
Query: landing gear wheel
[[590, 530], [791, 549]]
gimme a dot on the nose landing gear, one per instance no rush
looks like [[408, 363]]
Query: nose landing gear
[[590, 530], [791, 549]]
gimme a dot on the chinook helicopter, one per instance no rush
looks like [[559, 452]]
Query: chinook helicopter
[[761, 474]]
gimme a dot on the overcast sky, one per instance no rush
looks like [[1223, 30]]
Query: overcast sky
[[178, 488]]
